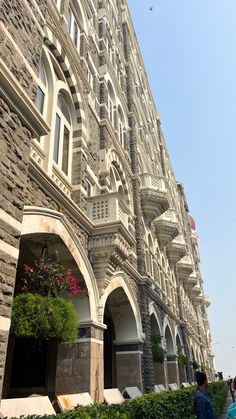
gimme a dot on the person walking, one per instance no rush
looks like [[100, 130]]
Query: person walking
[[231, 412], [232, 388], [202, 404]]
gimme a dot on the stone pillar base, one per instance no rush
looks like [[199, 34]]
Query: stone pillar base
[[129, 366], [173, 369], [80, 366], [160, 373], [182, 374]]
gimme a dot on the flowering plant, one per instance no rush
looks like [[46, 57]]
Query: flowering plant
[[48, 279]]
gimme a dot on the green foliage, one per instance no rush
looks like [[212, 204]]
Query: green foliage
[[195, 365], [181, 360], [202, 367], [44, 318], [172, 405], [158, 353]]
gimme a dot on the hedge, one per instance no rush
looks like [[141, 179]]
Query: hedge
[[171, 405]]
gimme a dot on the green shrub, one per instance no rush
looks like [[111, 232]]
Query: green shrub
[[158, 353], [182, 360], [44, 318], [172, 405]]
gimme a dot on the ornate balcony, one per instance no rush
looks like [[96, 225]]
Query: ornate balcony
[[154, 195], [185, 267], [167, 227], [191, 281], [107, 208], [176, 249], [206, 301], [112, 240]]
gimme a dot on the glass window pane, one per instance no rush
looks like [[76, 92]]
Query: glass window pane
[[42, 74], [62, 105], [56, 139], [65, 151], [75, 35], [69, 20], [40, 100]]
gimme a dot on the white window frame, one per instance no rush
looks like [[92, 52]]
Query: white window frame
[[64, 123], [72, 24]]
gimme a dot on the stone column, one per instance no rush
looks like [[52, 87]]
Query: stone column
[[80, 366], [129, 365], [161, 373], [173, 369], [182, 374]]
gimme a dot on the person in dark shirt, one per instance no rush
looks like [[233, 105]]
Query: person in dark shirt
[[202, 405]]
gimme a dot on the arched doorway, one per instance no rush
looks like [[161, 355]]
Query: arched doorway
[[172, 365], [159, 359], [182, 359], [32, 365], [122, 343]]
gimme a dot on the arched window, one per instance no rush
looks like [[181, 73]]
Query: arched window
[[62, 134]]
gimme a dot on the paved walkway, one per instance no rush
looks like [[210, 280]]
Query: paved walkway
[[228, 402]]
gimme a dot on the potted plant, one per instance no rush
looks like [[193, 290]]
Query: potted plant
[[158, 353], [195, 365], [40, 310]]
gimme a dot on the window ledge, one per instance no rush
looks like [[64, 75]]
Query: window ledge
[[19, 102]]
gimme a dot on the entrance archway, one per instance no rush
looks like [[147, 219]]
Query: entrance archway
[[159, 363], [122, 338], [182, 359], [46, 361], [31, 365], [172, 365]]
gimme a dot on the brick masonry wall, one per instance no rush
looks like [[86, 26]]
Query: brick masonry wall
[[35, 196]]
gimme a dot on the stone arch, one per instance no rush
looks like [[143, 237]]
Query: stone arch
[[178, 339], [169, 338], [156, 321], [118, 283], [44, 220], [55, 47], [113, 159]]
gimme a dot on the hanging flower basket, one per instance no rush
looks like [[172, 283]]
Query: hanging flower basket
[[40, 311]]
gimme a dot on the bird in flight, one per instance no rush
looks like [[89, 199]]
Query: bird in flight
[[151, 8]]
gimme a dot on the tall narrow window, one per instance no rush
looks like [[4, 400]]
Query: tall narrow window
[[62, 136], [57, 139], [41, 90], [65, 150], [73, 28]]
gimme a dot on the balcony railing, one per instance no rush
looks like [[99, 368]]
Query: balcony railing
[[107, 208], [154, 195], [167, 227]]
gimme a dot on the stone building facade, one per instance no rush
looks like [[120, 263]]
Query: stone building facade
[[84, 167]]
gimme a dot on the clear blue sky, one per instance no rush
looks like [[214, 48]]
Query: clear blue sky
[[189, 50]]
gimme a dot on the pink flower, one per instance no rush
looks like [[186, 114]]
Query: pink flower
[[28, 268], [24, 289]]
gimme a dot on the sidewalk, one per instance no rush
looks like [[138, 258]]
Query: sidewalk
[[228, 402]]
